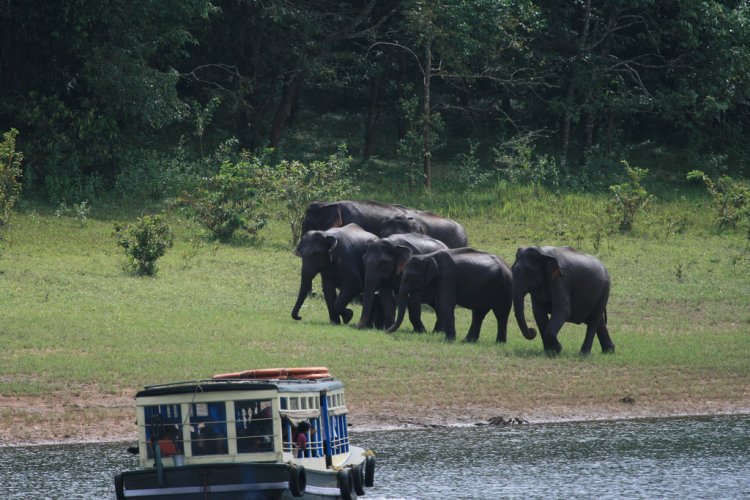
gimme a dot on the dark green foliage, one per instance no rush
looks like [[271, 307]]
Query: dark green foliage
[[233, 199], [10, 172], [297, 184], [144, 242], [731, 198], [629, 198], [103, 92]]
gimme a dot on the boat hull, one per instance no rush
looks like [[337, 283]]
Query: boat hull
[[226, 481]]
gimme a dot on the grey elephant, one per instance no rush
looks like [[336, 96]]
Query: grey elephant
[[463, 277], [370, 215], [565, 286], [446, 230], [335, 254], [384, 260]]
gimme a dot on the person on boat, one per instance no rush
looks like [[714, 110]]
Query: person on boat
[[300, 438]]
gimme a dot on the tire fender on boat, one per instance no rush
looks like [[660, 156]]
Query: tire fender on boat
[[346, 485], [297, 480], [358, 480], [370, 471]]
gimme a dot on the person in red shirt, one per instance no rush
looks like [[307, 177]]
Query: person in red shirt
[[300, 440]]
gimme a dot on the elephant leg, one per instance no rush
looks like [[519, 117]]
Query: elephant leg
[[345, 296], [329, 293], [447, 314], [604, 339], [591, 329], [541, 316], [502, 313], [477, 318], [415, 314]]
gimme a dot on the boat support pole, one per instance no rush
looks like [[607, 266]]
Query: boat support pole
[[159, 465]]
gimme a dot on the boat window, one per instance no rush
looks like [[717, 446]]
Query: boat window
[[339, 434], [284, 402], [163, 427], [208, 428], [304, 403], [294, 403], [253, 420], [315, 437]]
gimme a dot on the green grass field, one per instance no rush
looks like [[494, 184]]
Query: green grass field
[[72, 319]]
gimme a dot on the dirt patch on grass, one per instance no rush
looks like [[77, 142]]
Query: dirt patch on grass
[[89, 417]]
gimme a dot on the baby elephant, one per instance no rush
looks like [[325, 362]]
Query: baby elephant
[[461, 276], [565, 286]]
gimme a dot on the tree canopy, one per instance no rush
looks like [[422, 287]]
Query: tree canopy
[[96, 87]]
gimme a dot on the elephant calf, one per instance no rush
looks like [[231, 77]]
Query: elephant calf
[[384, 260], [337, 255], [462, 276], [565, 286]]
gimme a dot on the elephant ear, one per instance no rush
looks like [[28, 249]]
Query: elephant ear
[[331, 243], [552, 265], [403, 254], [432, 270]]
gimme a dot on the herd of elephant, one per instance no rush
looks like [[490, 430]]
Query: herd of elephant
[[396, 258]]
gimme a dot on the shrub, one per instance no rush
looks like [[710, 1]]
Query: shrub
[[145, 242], [731, 198], [10, 171], [516, 159], [629, 198], [297, 184], [231, 200]]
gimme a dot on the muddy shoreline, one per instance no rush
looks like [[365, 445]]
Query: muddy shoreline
[[81, 419]]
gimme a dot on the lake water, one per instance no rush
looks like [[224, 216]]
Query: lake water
[[660, 458]]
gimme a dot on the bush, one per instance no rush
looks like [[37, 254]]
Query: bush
[[145, 242], [731, 198], [629, 198], [296, 185], [515, 158], [10, 171], [231, 200]]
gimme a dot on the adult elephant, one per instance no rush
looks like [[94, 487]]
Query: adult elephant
[[448, 231], [565, 286], [369, 215], [337, 255], [462, 277], [384, 260]]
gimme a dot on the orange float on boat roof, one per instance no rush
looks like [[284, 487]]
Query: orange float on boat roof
[[307, 373]]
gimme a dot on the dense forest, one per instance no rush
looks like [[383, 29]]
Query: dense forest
[[117, 95]]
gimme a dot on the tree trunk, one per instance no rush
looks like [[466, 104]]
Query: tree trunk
[[284, 111], [427, 116], [373, 112]]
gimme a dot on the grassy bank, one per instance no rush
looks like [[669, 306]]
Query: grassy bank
[[73, 321]]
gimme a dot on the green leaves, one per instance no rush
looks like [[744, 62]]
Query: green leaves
[[144, 242], [629, 198], [10, 171]]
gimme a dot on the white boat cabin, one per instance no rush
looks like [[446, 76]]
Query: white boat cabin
[[243, 421]]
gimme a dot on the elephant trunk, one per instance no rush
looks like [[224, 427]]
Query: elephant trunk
[[518, 308], [403, 298], [304, 289]]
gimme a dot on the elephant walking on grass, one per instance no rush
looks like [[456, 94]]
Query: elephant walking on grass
[[565, 286], [384, 260], [465, 277], [337, 255]]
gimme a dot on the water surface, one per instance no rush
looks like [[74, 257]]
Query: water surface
[[659, 458]]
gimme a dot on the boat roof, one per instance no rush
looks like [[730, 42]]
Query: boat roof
[[228, 385]]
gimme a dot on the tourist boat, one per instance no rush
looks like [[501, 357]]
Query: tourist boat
[[237, 436]]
